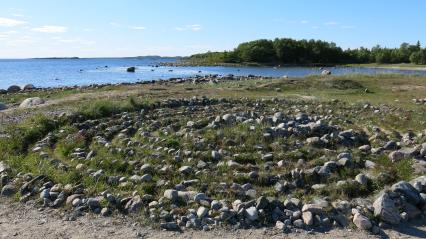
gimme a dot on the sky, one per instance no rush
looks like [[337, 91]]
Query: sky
[[114, 28]]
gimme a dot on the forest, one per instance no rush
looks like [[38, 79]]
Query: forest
[[305, 52]]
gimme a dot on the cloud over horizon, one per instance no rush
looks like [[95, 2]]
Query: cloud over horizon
[[50, 29], [9, 22]]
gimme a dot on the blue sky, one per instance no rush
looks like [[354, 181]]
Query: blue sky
[[100, 28]]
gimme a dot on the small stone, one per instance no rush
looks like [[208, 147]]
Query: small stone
[[171, 194], [202, 212], [8, 190], [105, 212], [308, 218], [362, 222], [298, 223], [361, 179], [252, 213]]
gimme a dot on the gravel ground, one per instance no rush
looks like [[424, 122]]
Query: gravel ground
[[26, 221]]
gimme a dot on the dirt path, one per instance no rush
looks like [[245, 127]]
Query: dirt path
[[25, 221]]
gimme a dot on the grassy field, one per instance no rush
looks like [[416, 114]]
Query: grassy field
[[387, 90], [356, 102]]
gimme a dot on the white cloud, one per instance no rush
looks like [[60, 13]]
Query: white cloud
[[50, 29], [115, 24], [193, 27], [8, 22], [18, 15], [304, 22], [137, 28], [331, 23], [79, 41]]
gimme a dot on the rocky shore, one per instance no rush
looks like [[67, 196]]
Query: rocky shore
[[205, 163]]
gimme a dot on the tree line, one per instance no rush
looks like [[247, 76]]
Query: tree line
[[303, 52]]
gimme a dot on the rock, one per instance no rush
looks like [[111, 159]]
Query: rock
[[406, 189], [93, 203], [135, 204], [280, 225], [252, 214], [200, 197], [185, 170], [267, 157], [419, 184], [8, 190], [298, 223], [362, 222], [13, 89], [2, 106], [369, 164], [202, 212], [131, 69], [396, 156], [146, 178], [308, 218], [365, 148], [216, 155], [170, 226], [105, 212], [262, 203], [76, 202], [215, 205], [171, 194], [326, 72], [3, 167], [314, 141], [313, 208], [385, 209], [30, 102], [361, 179], [228, 118]]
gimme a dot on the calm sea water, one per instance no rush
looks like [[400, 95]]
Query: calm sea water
[[70, 72]]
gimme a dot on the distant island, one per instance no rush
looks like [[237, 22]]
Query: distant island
[[286, 51], [56, 58]]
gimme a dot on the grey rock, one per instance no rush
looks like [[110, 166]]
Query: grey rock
[[170, 226], [8, 190], [31, 102], [396, 156], [185, 169], [171, 194], [2, 106], [308, 218], [298, 223], [361, 179], [362, 222], [385, 209], [202, 212], [406, 189], [252, 213]]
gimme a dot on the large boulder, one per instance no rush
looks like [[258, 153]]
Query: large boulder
[[419, 184], [385, 209], [2, 106], [30, 102], [131, 69], [409, 192]]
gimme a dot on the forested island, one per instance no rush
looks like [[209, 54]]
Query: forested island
[[286, 51]]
